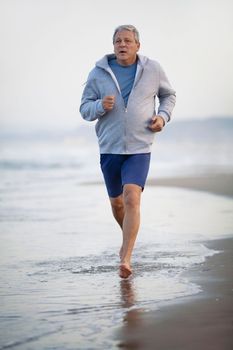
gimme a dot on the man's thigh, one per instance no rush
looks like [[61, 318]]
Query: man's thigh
[[111, 165], [119, 170], [135, 169]]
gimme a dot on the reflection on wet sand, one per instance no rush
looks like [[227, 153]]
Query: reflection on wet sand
[[132, 319], [127, 293]]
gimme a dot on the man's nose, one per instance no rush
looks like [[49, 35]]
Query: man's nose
[[122, 43]]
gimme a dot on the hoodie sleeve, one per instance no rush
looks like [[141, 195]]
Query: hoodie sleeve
[[91, 107], [166, 96]]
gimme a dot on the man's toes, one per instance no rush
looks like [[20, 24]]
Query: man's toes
[[124, 271]]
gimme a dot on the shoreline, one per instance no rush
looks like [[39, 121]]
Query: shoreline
[[221, 184], [203, 321]]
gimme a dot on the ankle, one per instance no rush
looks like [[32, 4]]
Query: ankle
[[125, 262]]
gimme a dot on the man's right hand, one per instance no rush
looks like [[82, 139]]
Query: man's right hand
[[108, 102]]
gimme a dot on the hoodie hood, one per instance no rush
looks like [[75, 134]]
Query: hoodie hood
[[103, 62]]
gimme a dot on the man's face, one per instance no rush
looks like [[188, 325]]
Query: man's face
[[125, 47]]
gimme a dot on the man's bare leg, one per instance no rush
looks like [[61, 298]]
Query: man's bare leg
[[118, 209], [131, 222], [118, 212], [126, 210]]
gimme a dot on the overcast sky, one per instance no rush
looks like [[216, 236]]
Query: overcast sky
[[49, 46]]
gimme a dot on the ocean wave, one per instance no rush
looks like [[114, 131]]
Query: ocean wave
[[37, 165], [154, 261], [29, 339]]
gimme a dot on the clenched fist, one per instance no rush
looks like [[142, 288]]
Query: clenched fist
[[108, 102], [157, 124]]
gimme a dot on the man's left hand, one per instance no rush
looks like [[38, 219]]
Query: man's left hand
[[157, 124]]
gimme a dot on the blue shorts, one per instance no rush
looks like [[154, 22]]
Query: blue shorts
[[122, 169]]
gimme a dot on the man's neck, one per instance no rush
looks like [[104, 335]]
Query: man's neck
[[125, 62]]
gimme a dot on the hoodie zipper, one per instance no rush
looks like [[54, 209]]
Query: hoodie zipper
[[137, 77]]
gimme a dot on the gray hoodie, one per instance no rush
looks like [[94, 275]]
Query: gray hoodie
[[124, 130]]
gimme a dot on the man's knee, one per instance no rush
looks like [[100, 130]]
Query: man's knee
[[132, 195], [117, 204]]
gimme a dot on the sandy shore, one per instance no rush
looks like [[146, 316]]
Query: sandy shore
[[216, 183], [203, 322]]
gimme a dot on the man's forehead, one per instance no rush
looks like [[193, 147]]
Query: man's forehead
[[124, 34]]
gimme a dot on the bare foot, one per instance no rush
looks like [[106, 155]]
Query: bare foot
[[124, 270]]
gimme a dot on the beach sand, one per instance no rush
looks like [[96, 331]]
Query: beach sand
[[203, 321]]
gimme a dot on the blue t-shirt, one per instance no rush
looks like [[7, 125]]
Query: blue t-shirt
[[125, 76]]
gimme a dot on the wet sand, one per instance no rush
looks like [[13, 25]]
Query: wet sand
[[203, 321]]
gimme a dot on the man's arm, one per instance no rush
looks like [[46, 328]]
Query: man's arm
[[91, 107], [166, 96], [167, 100]]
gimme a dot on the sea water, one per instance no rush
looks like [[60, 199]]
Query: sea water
[[59, 284]]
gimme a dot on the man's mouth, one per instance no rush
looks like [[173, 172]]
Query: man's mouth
[[122, 51]]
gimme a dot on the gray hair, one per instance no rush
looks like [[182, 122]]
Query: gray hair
[[128, 27]]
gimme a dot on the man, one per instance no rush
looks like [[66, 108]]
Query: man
[[120, 94]]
